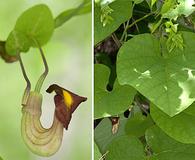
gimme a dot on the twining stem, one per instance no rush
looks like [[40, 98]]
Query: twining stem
[[135, 22], [115, 39], [125, 31], [43, 76], [140, 19], [28, 86]]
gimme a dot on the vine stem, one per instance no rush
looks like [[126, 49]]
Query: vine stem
[[28, 86], [140, 19], [43, 76], [135, 22], [125, 30], [115, 39]]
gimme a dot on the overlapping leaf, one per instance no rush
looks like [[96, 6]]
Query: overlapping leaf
[[122, 11], [137, 125], [35, 25], [166, 148], [110, 103], [125, 148], [166, 79], [180, 127], [103, 133]]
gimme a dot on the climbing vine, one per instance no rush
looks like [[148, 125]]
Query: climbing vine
[[144, 80]]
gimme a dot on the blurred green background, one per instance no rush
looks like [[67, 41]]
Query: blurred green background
[[69, 58]]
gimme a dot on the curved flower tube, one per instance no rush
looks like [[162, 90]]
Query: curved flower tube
[[41, 141], [45, 141]]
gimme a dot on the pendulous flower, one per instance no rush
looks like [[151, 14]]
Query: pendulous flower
[[47, 141]]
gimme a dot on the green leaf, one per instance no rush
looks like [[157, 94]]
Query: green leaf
[[168, 4], [138, 1], [167, 80], [1, 158], [152, 158], [113, 102], [183, 7], [17, 42], [103, 133], [122, 11], [166, 148], [137, 125], [68, 14], [190, 110], [97, 154], [152, 3], [125, 148], [37, 24], [180, 127]]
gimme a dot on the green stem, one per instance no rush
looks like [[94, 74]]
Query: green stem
[[115, 39], [140, 19], [132, 24], [68, 14], [125, 30], [43, 76], [28, 86]]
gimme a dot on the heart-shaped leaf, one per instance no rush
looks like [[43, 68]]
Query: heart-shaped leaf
[[166, 148], [122, 11], [167, 81], [35, 25], [180, 127], [125, 148], [113, 102]]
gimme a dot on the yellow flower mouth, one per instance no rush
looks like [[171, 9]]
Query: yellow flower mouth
[[66, 103]]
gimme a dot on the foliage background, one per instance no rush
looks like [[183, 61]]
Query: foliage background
[[69, 58], [130, 52]]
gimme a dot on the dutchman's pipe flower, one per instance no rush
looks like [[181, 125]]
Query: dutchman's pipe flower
[[41, 141], [45, 141]]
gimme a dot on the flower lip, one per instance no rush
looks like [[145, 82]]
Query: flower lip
[[66, 103]]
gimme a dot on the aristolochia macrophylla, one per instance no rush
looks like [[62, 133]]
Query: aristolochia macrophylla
[[46, 141]]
